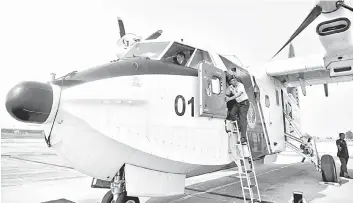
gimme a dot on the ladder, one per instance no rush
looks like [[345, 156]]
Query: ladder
[[317, 162], [242, 158]]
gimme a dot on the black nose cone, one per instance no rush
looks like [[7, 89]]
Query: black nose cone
[[30, 102]]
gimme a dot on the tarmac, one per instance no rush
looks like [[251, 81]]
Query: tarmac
[[31, 172]]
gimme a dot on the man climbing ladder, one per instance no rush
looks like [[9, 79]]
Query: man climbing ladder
[[238, 105]]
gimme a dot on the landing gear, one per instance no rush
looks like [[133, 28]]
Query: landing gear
[[117, 193], [328, 169]]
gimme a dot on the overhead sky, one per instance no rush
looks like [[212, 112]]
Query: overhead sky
[[40, 36]]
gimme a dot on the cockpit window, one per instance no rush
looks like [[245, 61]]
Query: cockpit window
[[151, 50], [178, 54], [228, 64], [200, 56]]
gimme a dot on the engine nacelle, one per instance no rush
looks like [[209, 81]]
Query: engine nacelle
[[335, 34]]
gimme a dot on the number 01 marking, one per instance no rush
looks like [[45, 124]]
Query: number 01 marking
[[183, 108]]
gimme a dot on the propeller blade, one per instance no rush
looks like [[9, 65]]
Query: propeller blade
[[326, 90], [154, 35], [121, 27], [308, 20]]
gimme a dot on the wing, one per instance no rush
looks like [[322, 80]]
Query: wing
[[310, 70]]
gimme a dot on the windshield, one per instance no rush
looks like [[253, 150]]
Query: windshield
[[151, 50]]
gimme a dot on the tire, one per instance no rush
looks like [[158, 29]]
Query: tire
[[328, 169], [132, 199], [108, 198]]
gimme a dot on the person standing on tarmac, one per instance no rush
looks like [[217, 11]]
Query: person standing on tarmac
[[343, 155]]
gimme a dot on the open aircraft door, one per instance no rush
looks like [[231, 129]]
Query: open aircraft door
[[270, 102], [212, 91], [258, 94]]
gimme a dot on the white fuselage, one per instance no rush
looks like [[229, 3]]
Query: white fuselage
[[103, 124]]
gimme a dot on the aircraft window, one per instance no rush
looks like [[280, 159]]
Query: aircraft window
[[171, 54], [277, 98], [200, 55], [267, 101], [151, 50], [228, 64], [216, 85]]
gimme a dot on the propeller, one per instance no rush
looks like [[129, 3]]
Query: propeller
[[155, 35], [315, 12], [326, 89], [126, 40]]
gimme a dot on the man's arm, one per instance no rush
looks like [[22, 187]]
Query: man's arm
[[241, 91], [235, 96], [228, 92], [338, 145]]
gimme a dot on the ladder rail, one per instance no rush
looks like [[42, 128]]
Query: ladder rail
[[296, 129], [241, 179], [253, 169], [239, 166], [317, 155]]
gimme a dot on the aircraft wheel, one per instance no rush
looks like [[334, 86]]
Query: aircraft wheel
[[108, 198], [328, 169], [132, 199]]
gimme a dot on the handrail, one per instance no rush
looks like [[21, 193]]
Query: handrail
[[296, 149]]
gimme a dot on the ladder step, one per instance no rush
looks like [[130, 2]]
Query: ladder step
[[241, 158], [248, 188], [244, 157], [247, 172]]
